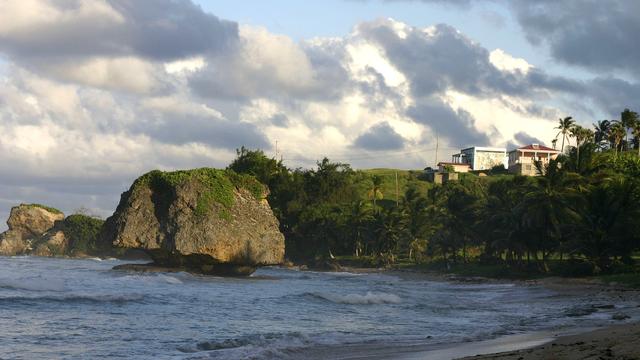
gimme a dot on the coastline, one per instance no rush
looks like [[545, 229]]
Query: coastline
[[610, 342]]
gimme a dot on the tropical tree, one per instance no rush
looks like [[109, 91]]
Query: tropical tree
[[389, 229], [582, 135], [601, 133], [358, 221], [565, 125], [628, 119], [374, 192], [545, 209], [636, 135], [415, 208], [606, 216], [617, 133]]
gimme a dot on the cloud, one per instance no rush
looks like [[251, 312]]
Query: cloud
[[177, 121], [112, 44], [270, 65], [458, 126], [523, 138], [159, 30], [439, 58], [597, 35], [380, 137]]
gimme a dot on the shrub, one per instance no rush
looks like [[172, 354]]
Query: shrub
[[82, 232], [48, 208]]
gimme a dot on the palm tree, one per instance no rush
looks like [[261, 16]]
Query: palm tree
[[582, 135], [554, 142], [375, 193], [545, 208], [358, 219], [617, 134], [602, 129], [415, 207], [565, 126], [636, 135], [605, 215], [628, 119]]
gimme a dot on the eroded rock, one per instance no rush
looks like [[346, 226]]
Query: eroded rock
[[206, 220], [27, 223]]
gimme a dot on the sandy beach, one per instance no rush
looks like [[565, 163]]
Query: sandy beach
[[620, 342]]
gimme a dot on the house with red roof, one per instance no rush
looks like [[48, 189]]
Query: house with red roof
[[522, 160]]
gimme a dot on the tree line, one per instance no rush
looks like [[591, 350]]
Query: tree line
[[583, 207]]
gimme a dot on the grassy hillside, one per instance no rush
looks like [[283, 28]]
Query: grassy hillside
[[405, 179]]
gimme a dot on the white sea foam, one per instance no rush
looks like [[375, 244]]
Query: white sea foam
[[170, 279], [356, 299]]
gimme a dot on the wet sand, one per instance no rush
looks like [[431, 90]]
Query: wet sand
[[620, 342]]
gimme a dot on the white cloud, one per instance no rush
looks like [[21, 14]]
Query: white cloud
[[506, 62]]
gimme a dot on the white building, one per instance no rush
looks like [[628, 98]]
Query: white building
[[522, 161], [482, 158]]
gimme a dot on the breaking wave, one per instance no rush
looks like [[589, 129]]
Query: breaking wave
[[369, 298], [261, 346]]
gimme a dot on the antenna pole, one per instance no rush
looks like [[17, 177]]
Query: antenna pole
[[437, 145]]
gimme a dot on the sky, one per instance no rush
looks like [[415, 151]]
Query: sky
[[94, 93]]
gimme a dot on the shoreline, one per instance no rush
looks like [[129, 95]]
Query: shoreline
[[609, 341], [620, 341]]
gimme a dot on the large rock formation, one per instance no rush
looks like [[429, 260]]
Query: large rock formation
[[27, 224], [205, 220]]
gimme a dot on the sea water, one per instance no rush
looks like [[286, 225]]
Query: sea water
[[81, 309]]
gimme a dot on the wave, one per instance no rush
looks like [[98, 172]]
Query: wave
[[369, 298], [32, 284], [73, 299], [170, 279], [294, 339]]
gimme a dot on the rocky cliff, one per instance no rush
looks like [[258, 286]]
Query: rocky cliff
[[27, 225], [205, 220]]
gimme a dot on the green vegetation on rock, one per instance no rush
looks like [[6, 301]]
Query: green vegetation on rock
[[82, 232], [218, 186], [48, 208]]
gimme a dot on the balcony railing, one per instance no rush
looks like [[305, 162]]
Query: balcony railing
[[528, 160]]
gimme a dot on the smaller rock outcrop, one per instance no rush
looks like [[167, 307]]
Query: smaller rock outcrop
[[27, 224], [44, 231], [203, 220]]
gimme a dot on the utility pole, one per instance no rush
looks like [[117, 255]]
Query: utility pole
[[276, 157], [437, 144]]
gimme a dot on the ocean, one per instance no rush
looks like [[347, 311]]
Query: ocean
[[53, 308]]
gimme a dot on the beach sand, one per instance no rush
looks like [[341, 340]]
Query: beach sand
[[620, 342]]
